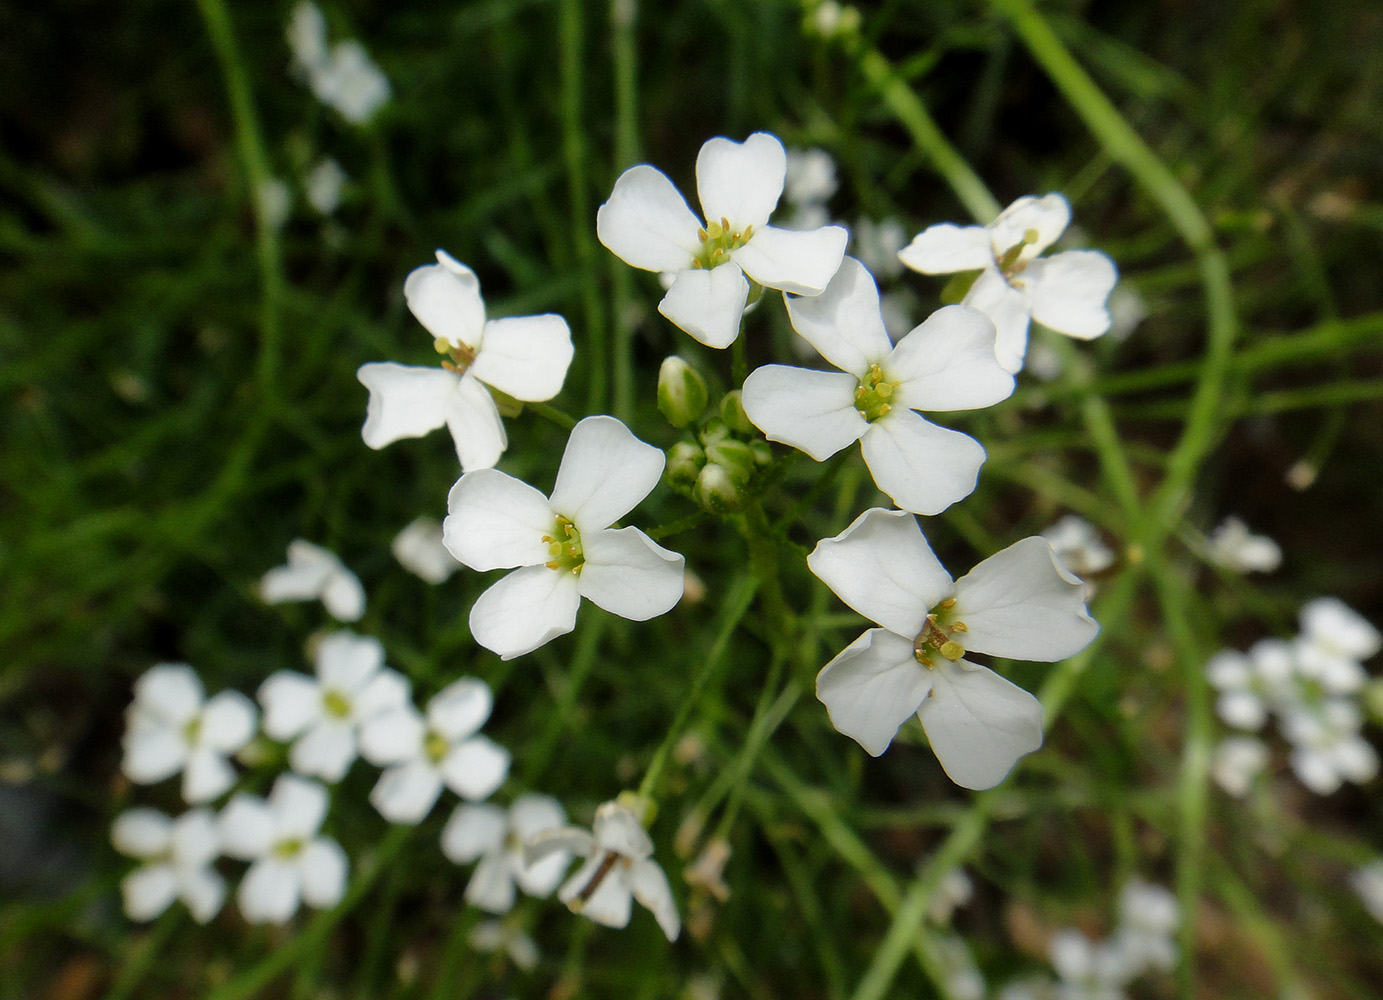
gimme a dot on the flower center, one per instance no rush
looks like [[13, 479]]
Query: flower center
[[717, 240], [1009, 263], [873, 394], [435, 746], [458, 357], [288, 848], [192, 730], [336, 705], [564, 545], [937, 637]]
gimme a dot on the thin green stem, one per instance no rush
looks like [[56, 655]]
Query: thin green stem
[[624, 64], [552, 413]]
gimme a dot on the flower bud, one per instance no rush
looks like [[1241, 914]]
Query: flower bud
[[736, 457], [684, 461], [681, 391], [717, 491], [732, 412]]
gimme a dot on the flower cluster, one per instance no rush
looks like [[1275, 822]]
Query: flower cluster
[[341, 76]]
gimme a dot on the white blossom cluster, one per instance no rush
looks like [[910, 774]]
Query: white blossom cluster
[[1313, 685], [342, 76]]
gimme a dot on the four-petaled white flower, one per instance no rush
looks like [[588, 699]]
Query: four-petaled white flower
[[496, 935], [420, 550], [1236, 762], [314, 573], [1328, 749], [1078, 545], [648, 225], [1065, 291], [1233, 546], [1148, 919], [322, 715], [619, 868], [290, 863], [563, 548], [1089, 970], [1334, 640], [1018, 603], [524, 357], [423, 754], [171, 726], [177, 855], [497, 838], [947, 363], [1252, 684]]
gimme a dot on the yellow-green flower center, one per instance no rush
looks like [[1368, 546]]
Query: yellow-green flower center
[[435, 746], [564, 546], [873, 395], [336, 705], [288, 848], [717, 240], [938, 636], [458, 357], [192, 730], [1009, 263]]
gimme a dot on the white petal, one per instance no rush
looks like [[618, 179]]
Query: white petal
[[1047, 217], [543, 875], [246, 827], [205, 776], [651, 889], [630, 575], [948, 363], [228, 722], [810, 410], [298, 806], [496, 522], [797, 261], [619, 830], [476, 429], [473, 829], [1021, 603], [269, 893], [388, 689], [564, 840], [171, 691], [405, 401], [1067, 292], [883, 567], [420, 550], [527, 609], [491, 887], [605, 472], [923, 467], [322, 867], [741, 181], [532, 814], [203, 892], [945, 248], [476, 767], [141, 832], [326, 751], [196, 841], [871, 688], [526, 356], [291, 701], [152, 754], [1008, 310], [148, 891], [407, 792], [445, 297], [844, 323], [611, 901], [392, 736], [708, 304], [646, 223], [979, 724], [346, 661], [460, 708]]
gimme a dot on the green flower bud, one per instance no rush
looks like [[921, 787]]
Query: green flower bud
[[684, 461], [714, 432], [1373, 699], [732, 412], [717, 491], [736, 457], [763, 454], [681, 391]]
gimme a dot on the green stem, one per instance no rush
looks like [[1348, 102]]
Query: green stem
[[624, 63], [552, 413]]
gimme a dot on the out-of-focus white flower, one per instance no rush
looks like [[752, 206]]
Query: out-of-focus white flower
[[171, 726], [954, 889], [342, 77], [1233, 546], [619, 868], [1252, 684], [830, 19], [1328, 749], [323, 185], [274, 202], [647, 224], [946, 364], [1148, 919], [1088, 970], [1065, 292], [420, 550], [525, 357], [323, 715], [1019, 603], [1334, 640], [307, 34], [290, 863], [898, 309], [810, 176], [1126, 310], [1236, 762], [876, 246], [1078, 545], [498, 935], [423, 754], [1368, 883], [177, 856], [314, 573], [563, 548], [962, 977], [496, 838]]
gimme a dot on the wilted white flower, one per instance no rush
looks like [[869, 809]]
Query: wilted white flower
[[497, 935], [1368, 883], [1236, 762], [496, 837], [1019, 603], [1233, 546], [420, 550], [171, 726], [177, 856], [314, 573], [290, 863], [1328, 749], [323, 185], [1088, 970], [1078, 545], [1148, 919], [323, 715]]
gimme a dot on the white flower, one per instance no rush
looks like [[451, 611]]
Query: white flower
[[1334, 639], [421, 755], [290, 862], [947, 363], [274, 202], [619, 868], [495, 935], [1253, 684], [307, 34], [525, 357], [314, 573], [1126, 310], [962, 977], [1236, 762], [1079, 546], [420, 550], [177, 855], [1018, 603], [1088, 970], [1233, 546], [1368, 883], [810, 176], [1328, 749], [647, 224], [563, 548], [1066, 291], [323, 185], [954, 889], [1148, 919], [877, 244], [323, 714], [343, 77], [496, 837], [171, 726]]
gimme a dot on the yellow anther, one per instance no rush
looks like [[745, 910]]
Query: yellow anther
[[441, 345], [946, 605], [952, 650], [959, 627]]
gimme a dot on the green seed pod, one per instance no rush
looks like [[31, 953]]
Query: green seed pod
[[681, 391]]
